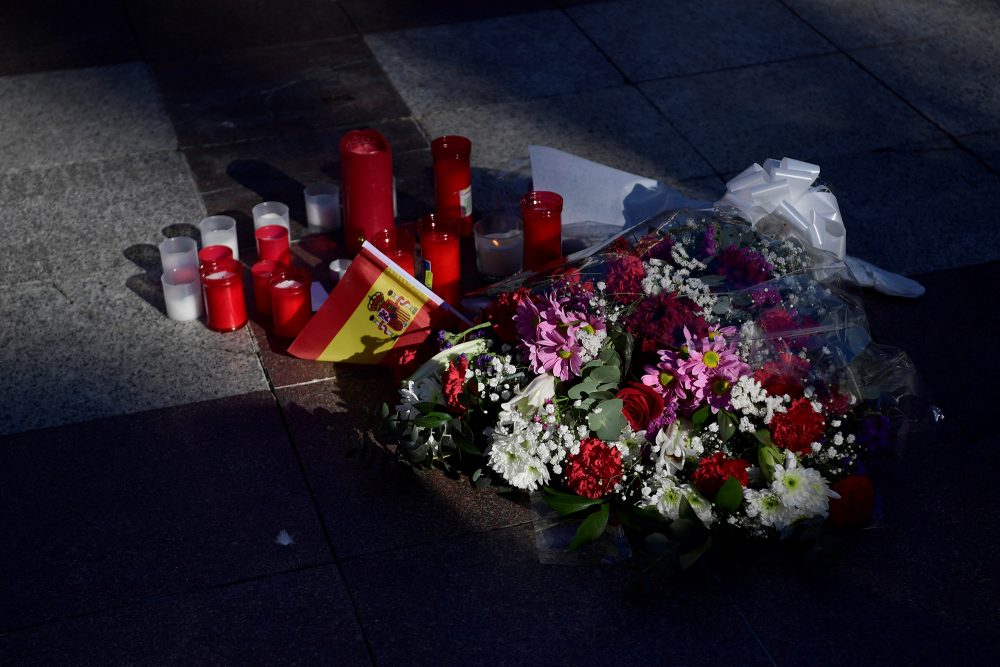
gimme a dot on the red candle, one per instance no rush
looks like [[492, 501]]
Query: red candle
[[212, 256], [542, 215], [439, 244], [453, 179], [291, 303], [366, 175], [272, 244], [262, 272], [224, 304], [398, 244]]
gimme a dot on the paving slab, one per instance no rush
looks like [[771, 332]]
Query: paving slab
[[286, 89], [497, 60], [383, 15], [89, 217], [176, 30], [121, 510], [915, 209], [985, 146], [50, 34], [370, 501], [952, 79], [303, 616], [81, 115], [494, 589], [615, 126], [808, 108], [650, 40], [101, 345], [856, 23]]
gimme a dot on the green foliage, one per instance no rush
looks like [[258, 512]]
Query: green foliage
[[768, 457], [591, 528], [568, 503], [607, 421], [727, 425], [730, 495]]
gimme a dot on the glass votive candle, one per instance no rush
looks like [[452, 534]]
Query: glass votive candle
[[398, 244], [178, 252], [322, 207], [439, 245], [542, 215], [453, 178], [272, 243], [219, 230], [271, 213], [212, 257], [291, 300], [262, 272], [499, 247], [182, 293], [225, 307]]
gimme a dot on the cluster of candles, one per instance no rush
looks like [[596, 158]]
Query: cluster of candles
[[211, 280]]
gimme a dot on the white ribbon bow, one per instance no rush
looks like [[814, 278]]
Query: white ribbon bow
[[784, 189]]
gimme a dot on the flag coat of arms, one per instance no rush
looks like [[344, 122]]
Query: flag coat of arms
[[376, 307]]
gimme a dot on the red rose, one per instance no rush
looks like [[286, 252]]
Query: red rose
[[856, 502], [593, 472], [714, 471], [453, 384], [501, 312], [640, 404], [798, 428]]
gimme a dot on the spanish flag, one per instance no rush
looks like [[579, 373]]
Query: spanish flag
[[376, 307]]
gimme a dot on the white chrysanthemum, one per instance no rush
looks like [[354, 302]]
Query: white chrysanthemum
[[767, 508], [665, 495], [803, 489], [701, 505]]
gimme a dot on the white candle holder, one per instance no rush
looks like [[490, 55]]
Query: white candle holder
[[271, 213], [499, 247], [179, 252], [182, 294], [323, 207], [219, 230]]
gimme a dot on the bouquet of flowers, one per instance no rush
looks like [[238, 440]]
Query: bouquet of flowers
[[689, 376]]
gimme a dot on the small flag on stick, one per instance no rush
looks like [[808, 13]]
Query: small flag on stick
[[376, 307]]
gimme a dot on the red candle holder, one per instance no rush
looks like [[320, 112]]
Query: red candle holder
[[398, 244], [453, 179], [225, 307], [272, 244], [439, 245], [262, 272], [367, 193], [211, 257], [542, 215], [291, 302]]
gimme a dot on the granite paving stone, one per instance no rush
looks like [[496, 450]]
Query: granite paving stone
[[51, 34], [285, 89], [614, 126], [101, 345], [497, 60], [302, 616], [915, 209], [650, 40], [382, 15], [952, 81], [494, 589], [369, 500], [158, 503], [808, 109], [175, 30], [85, 218], [856, 23], [985, 146], [80, 115]]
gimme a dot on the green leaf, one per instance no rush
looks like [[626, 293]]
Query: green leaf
[[568, 503], [722, 306], [385, 410], [607, 420], [591, 528], [602, 395], [764, 437], [730, 495], [701, 415], [476, 475], [465, 445], [768, 457], [623, 346], [578, 391], [727, 425], [432, 419], [606, 375]]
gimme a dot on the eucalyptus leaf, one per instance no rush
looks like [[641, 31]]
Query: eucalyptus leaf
[[607, 420], [722, 306], [591, 528], [606, 375], [730, 495]]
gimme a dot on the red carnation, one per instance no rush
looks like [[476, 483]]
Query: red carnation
[[624, 278], [714, 471], [453, 381], [798, 428], [856, 502], [640, 404], [501, 312], [784, 375], [595, 471]]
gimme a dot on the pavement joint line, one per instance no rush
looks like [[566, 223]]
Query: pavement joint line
[[304, 382], [746, 621], [736, 68]]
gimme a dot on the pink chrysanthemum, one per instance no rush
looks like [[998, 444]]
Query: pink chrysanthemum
[[527, 318], [711, 368], [556, 352], [665, 378]]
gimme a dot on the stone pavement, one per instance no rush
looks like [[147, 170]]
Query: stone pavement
[[147, 466]]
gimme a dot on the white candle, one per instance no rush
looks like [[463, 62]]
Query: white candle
[[271, 213], [323, 207], [499, 255], [219, 230], [182, 294]]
